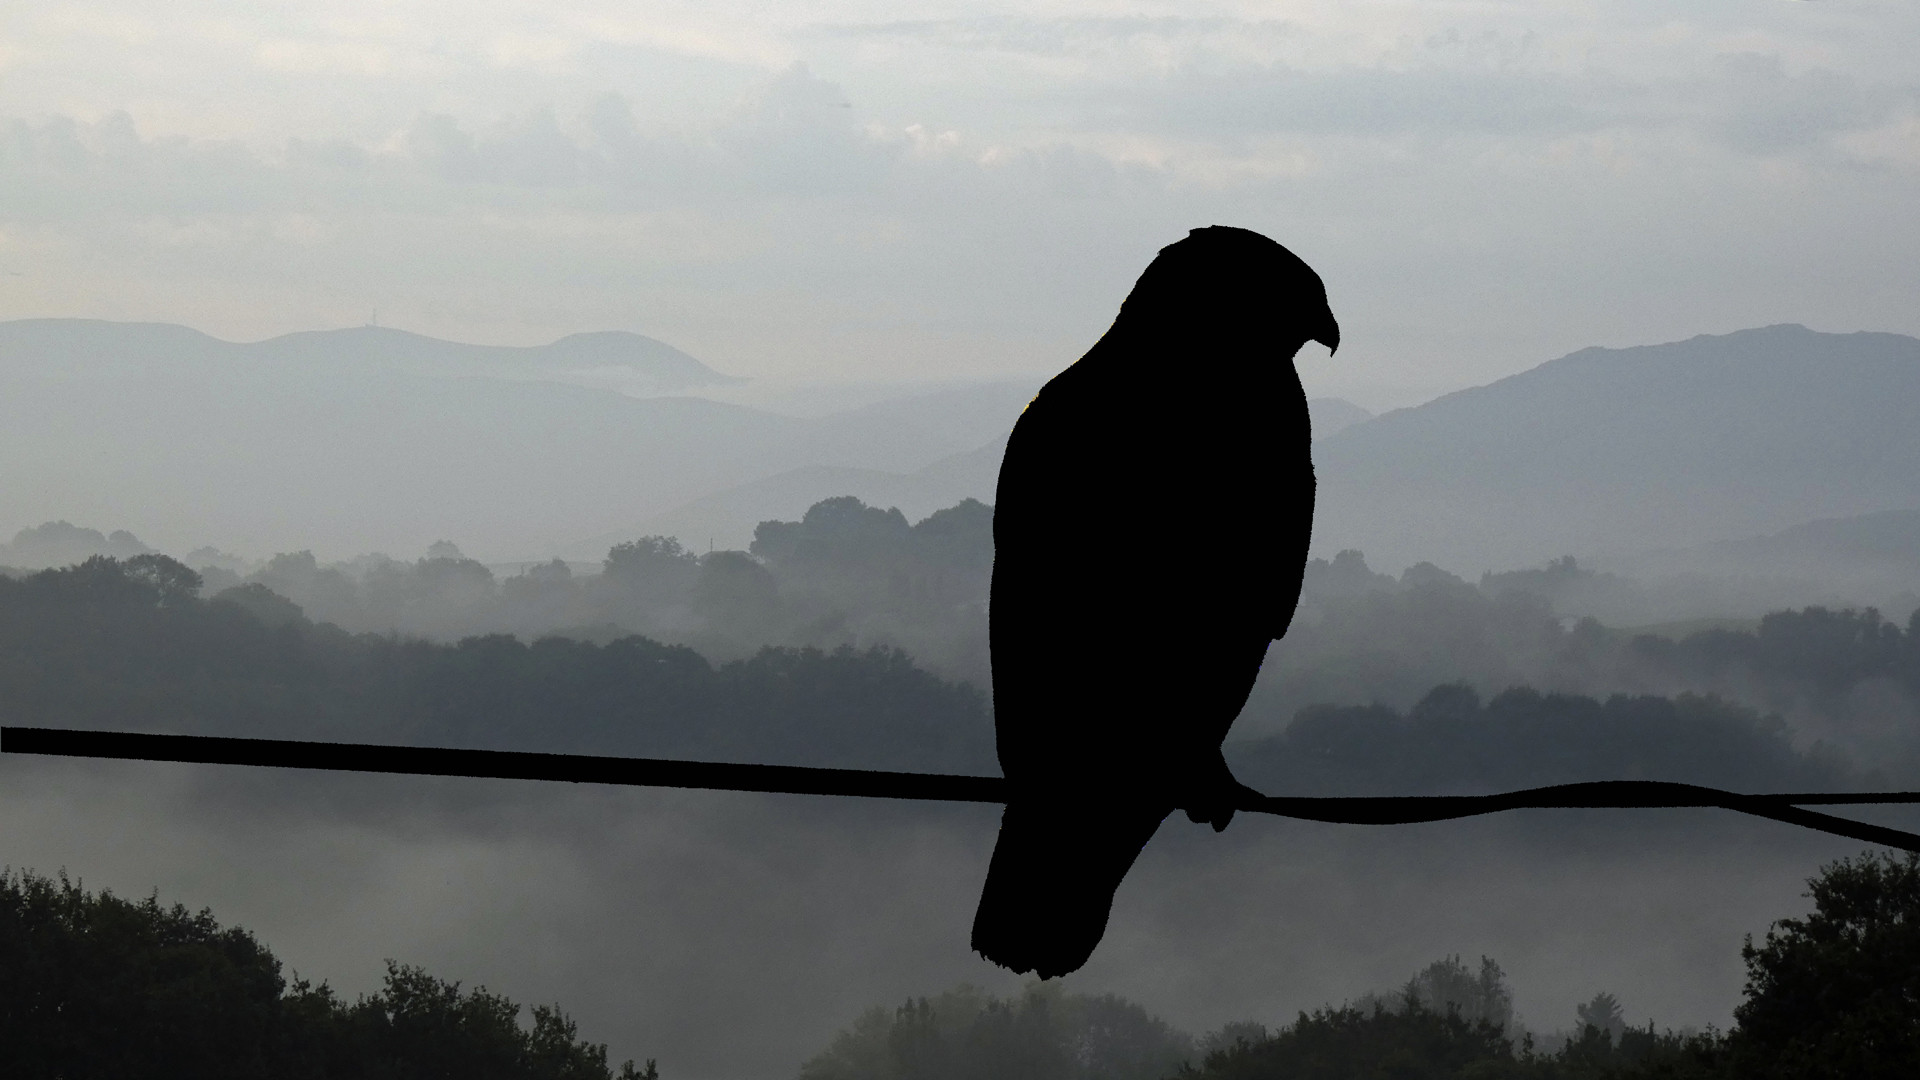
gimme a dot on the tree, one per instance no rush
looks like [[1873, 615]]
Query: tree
[[1602, 1014], [93, 987], [1415, 1043], [268, 607], [651, 561], [98, 986], [966, 1033], [733, 590], [1449, 986], [171, 581], [841, 531], [1837, 993]]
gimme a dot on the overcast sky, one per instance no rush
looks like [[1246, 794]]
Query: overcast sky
[[851, 189]]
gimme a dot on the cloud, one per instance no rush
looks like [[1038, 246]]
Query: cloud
[[797, 134], [1063, 36], [927, 195], [1759, 108], [530, 151]]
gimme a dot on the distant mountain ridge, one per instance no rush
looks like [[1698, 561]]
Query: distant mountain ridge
[[727, 518], [1866, 560], [1331, 415], [614, 359], [374, 439], [1890, 536], [1609, 450], [188, 440]]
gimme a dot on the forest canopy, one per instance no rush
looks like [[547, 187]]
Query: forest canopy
[[130, 645], [102, 988]]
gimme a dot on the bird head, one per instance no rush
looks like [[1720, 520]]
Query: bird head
[[1238, 283]]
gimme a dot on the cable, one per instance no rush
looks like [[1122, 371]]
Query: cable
[[940, 787]]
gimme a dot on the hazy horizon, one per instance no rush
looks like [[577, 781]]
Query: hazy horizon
[[1633, 282], [831, 189]]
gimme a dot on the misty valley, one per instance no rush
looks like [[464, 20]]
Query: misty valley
[[1069, 540], [1695, 562], [853, 637]]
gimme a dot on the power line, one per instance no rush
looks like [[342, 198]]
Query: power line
[[938, 787]]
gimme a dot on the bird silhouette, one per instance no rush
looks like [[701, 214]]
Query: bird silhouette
[[1150, 534]]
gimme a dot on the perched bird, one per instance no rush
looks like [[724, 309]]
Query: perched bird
[[1150, 533]]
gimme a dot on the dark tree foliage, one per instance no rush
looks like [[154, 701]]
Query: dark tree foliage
[[1448, 985], [967, 1034], [734, 590], [1452, 743], [1829, 650], [845, 574], [842, 532], [125, 646], [1834, 995], [121, 646], [651, 570], [1837, 993], [848, 571], [1851, 678], [1414, 1043], [852, 537], [94, 986]]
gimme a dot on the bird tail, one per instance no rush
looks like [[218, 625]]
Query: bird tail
[[1050, 885]]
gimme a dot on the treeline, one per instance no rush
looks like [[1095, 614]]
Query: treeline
[[846, 573], [1827, 995], [101, 987], [1043, 1033], [851, 574], [1851, 678], [132, 646], [1451, 742], [96, 987]]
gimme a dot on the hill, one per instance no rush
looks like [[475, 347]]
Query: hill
[[1609, 450], [1332, 415], [1868, 560], [633, 363], [726, 518], [327, 441]]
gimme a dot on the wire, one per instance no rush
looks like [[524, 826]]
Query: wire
[[939, 787]]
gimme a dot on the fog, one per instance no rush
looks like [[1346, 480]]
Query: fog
[[634, 379], [731, 935]]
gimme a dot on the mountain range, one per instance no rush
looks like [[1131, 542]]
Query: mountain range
[[612, 359], [374, 439], [370, 439], [1623, 450], [728, 517]]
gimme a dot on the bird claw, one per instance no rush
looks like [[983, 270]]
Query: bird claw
[[1214, 801], [1214, 816]]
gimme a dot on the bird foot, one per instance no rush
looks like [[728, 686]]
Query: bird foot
[[1213, 800]]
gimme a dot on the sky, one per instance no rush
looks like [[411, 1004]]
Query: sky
[[863, 191]]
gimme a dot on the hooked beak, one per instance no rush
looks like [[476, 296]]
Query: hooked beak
[[1328, 333]]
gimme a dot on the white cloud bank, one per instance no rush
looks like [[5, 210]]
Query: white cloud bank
[[829, 189]]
